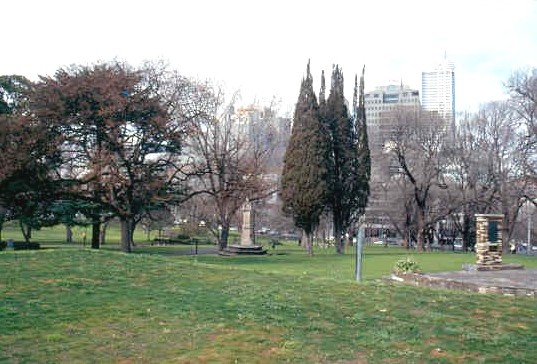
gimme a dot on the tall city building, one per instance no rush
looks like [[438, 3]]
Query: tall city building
[[379, 105], [438, 90]]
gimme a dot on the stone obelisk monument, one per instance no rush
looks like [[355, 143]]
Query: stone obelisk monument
[[247, 245], [248, 216]]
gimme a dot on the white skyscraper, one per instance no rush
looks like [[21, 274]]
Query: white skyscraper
[[438, 90]]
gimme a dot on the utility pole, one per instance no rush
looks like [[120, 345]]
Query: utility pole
[[359, 251], [528, 248]]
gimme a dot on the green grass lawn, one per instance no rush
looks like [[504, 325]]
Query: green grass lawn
[[378, 261], [79, 305], [57, 234], [55, 237]]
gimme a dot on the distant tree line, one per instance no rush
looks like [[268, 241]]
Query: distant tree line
[[92, 143]]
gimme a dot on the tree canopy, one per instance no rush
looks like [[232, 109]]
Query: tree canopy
[[305, 171], [121, 137]]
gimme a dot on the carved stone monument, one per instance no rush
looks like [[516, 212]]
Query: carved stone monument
[[247, 234], [247, 245]]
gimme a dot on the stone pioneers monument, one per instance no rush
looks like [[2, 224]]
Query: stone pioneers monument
[[247, 245], [489, 243], [489, 274]]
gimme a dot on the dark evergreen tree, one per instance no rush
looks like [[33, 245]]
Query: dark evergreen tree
[[323, 110], [322, 92], [304, 176], [363, 162], [28, 157], [349, 152]]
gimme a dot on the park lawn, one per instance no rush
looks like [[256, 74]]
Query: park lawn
[[377, 261], [82, 305], [55, 236]]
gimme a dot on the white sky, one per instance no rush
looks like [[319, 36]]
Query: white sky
[[262, 47]]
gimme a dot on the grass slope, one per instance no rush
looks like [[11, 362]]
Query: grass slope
[[78, 305]]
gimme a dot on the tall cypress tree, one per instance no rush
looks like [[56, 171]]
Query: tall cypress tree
[[322, 92], [325, 127], [363, 162], [347, 172], [304, 176]]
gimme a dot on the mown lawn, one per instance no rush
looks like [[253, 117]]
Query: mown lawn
[[377, 261], [57, 234], [78, 305], [55, 237]]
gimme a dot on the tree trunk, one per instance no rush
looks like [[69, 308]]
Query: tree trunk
[[102, 234], [337, 221], [68, 234], [349, 237], [132, 226], [467, 231], [420, 224], [126, 236], [223, 237], [26, 231], [506, 231], [309, 243], [95, 231], [338, 236]]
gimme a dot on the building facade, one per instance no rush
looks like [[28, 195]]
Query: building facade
[[379, 105], [382, 105], [438, 90]]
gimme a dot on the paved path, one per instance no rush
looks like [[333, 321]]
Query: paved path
[[517, 278]]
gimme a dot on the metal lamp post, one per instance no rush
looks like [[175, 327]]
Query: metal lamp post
[[528, 247]]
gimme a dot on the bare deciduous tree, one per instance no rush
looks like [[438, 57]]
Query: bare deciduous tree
[[417, 152], [229, 153]]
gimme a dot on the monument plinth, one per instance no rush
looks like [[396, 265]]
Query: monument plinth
[[247, 245], [247, 233], [489, 244]]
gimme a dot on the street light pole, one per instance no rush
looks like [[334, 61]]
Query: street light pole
[[528, 251], [359, 251]]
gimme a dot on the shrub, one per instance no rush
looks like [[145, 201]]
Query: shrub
[[183, 237], [406, 265], [20, 245], [274, 243]]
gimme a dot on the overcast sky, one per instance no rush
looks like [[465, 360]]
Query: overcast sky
[[262, 47]]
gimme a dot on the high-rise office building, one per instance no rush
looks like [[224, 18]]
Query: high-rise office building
[[379, 107], [438, 90], [382, 106]]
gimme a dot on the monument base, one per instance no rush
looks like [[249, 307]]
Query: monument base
[[243, 250], [489, 267]]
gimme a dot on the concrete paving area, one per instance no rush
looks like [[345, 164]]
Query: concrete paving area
[[521, 278], [511, 282]]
